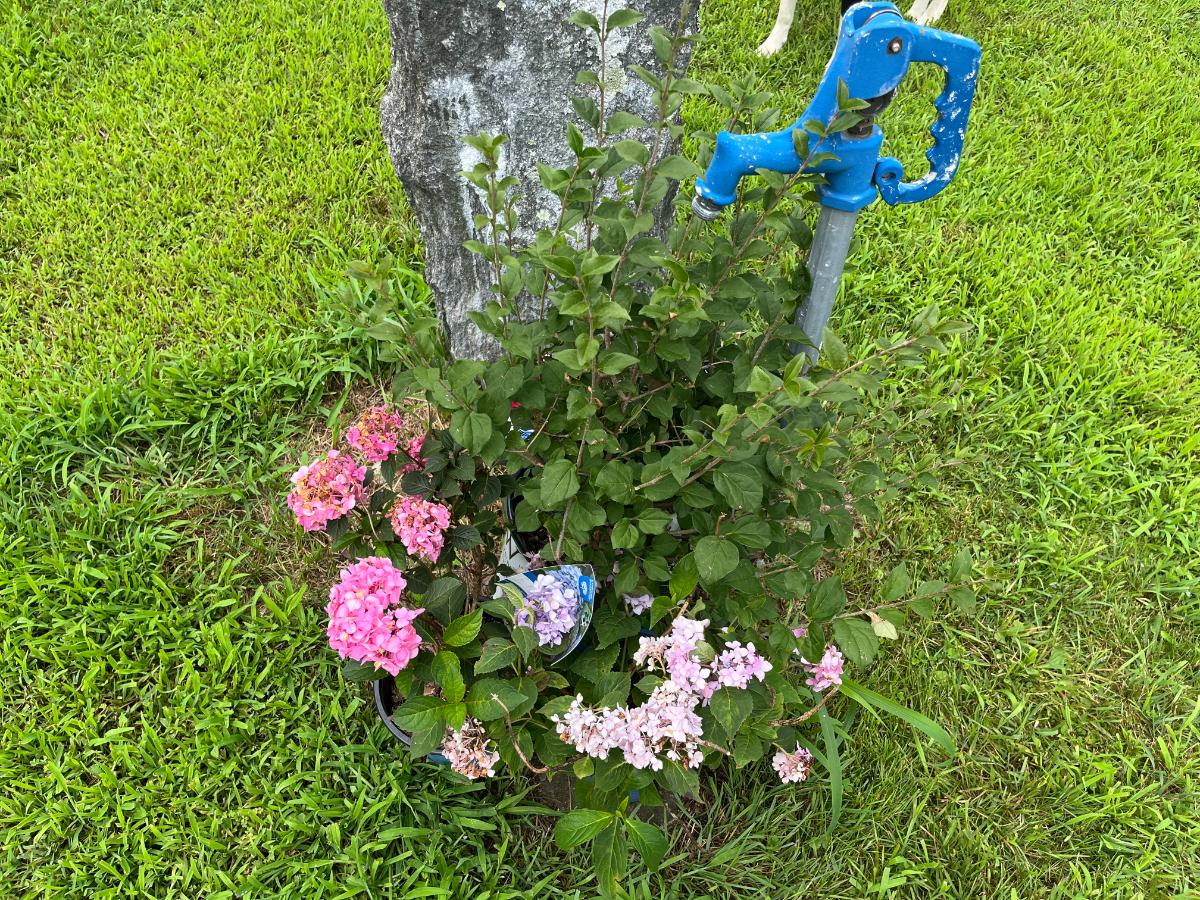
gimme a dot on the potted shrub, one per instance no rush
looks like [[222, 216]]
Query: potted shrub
[[664, 439]]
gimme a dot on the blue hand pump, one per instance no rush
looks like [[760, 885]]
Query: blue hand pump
[[875, 47]]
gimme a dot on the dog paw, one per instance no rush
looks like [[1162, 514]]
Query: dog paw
[[771, 46]]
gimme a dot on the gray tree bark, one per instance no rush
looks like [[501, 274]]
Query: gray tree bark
[[463, 67]]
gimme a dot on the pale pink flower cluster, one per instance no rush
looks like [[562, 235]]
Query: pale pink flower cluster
[[667, 726], [793, 767], [826, 673], [367, 622], [421, 525], [737, 665], [376, 434], [469, 750], [325, 490], [638, 605]]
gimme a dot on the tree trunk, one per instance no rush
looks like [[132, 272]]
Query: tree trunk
[[462, 67]]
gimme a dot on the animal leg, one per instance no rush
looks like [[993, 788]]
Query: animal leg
[[926, 12], [779, 34]]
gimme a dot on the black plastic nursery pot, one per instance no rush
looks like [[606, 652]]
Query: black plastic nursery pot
[[528, 543], [385, 705]]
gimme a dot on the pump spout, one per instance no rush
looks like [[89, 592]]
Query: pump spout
[[739, 155]]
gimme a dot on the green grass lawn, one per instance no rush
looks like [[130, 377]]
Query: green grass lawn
[[181, 184]]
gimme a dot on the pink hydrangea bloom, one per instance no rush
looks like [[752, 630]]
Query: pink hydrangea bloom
[[667, 726], [793, 767], [420, 524], [367, 622], [325, 490], [737, 665], [638, 605], [469, 750], [826, 673], [590, 731], [800, 631], [413, 450], [376, 434]]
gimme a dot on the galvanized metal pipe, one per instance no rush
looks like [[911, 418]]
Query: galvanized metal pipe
[[826, 261]]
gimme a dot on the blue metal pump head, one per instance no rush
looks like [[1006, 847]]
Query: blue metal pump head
[[875, 47]]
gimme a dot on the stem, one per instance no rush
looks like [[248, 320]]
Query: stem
[[812, 712], [562, 532], [537, 770]]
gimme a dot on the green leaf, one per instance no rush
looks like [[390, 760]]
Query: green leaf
[[498, 653], [615, 481], [731, 707], [960, 566], [526, 639], [594, 663], [922, 608], [579, 826], [447, 672], [612, 688], [715, 558], [612, 624], [610, 856], [625, 535], [964, 599], [678, 780], [463, 630], [444, 599], [763, 382], [680, 168], [826, 600], [559, 483], [472, 430], [871, 701], [833, 351], [556, 706], [897, 584], [622, 120], [625, 578], [494, 698], [464, 537], [649, 841], [833, 762], [684, 578], [749, 748], [425, 740], [584, 19], [654, 521], [623, 18], [613, 363], [740, 484], [421, 713], [856, 638], [633, 151], [661, 606], [357, 672], [750, 532]]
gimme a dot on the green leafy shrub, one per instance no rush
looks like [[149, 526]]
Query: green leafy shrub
[[650, 413]]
